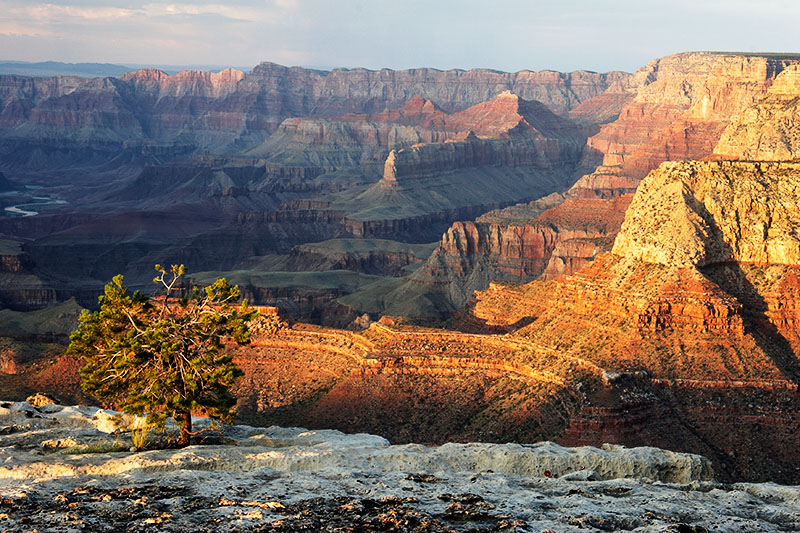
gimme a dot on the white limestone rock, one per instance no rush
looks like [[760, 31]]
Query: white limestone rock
[[250, 481]]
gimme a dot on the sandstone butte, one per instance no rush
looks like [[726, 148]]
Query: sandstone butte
[[678, 107], [684, 336]]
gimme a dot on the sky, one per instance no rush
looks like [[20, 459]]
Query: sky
[[509, 35]]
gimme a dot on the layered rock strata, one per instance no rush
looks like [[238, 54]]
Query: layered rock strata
[[546, 238], [681, 108], [99, 133], [676, 107], [150, 112], [767, 130], [530, 152], [697, 299], [514, 150]]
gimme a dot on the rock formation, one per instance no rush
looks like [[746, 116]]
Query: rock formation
[[369, 256], [504, 245], [684, 336], [682, 106], [675, 108], [343, 91], [698, 293], [116, 141], [185, 83], [44, 121], [694, 214], [317, 179], [767, 130], [292, 479], [491, 153]]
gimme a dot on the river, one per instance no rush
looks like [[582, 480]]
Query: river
[[24, 210]]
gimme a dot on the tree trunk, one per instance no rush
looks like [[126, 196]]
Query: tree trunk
[[185, 421]]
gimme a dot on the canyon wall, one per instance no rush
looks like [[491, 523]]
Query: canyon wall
[[148, 112], [674, 108], [693, 314], [681, 107], [766, 130]]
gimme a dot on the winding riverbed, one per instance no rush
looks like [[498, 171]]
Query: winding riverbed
[[24, 210]]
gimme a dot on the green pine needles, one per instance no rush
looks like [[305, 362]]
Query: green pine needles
[[163, 354]]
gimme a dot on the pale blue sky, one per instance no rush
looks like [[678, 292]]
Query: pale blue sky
[[501, 34]]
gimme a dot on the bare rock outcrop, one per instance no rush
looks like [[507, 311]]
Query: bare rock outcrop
[[767, 130], [694, 214], [290, 479], [674, 108], [699, 294]]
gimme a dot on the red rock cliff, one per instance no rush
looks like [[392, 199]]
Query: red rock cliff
[[676, 107]]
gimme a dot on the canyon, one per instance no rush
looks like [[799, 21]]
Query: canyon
[[688, 323], [235, 194], [441, 256], [679, 107], [150, 114], [216, 169]]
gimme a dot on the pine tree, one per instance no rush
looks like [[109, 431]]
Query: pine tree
[[163, 354]]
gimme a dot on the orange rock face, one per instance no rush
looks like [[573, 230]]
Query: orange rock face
[[681, 108], [635, 348], [768, 129], [675, 108], [713, 322]]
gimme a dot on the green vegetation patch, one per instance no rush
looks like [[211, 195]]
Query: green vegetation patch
[[8, 247], [360, 246], [346, 280], [398, 297], [59, 319]]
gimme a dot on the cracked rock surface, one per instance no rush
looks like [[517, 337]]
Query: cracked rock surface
[[291, 479]]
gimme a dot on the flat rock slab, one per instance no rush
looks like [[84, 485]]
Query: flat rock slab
[[291, 479]]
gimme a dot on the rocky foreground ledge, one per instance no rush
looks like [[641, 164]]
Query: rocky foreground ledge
[[56, 474]]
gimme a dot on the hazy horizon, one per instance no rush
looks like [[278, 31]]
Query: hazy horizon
[[508, 35], [216, 68]]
